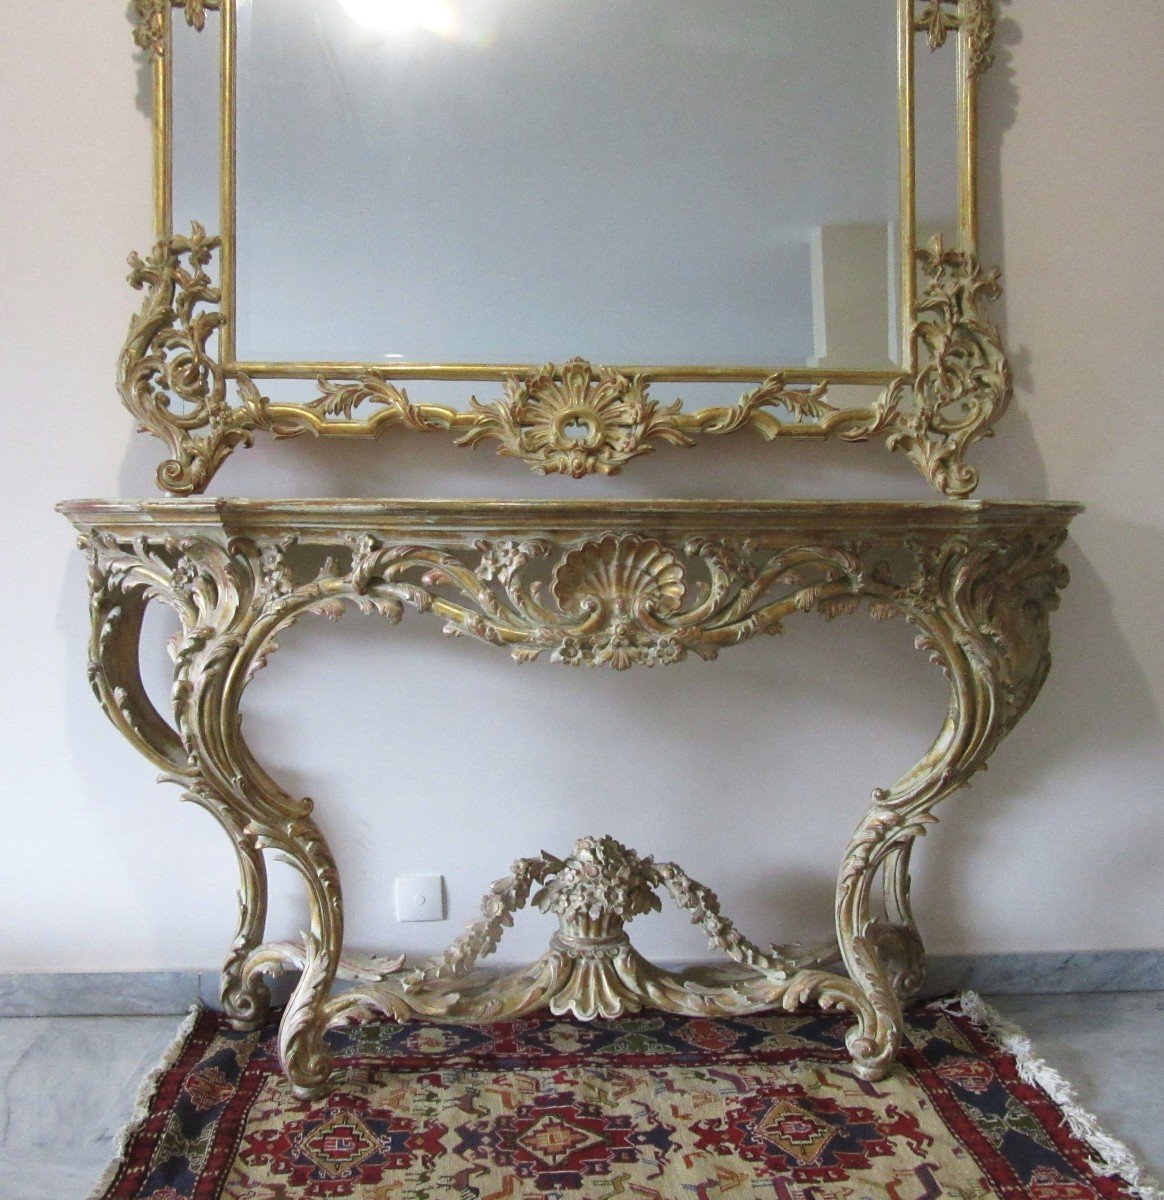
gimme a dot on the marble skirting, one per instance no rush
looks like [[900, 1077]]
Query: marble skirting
[[158, 992]]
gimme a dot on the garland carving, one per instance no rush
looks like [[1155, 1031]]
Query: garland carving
[[979, 593]]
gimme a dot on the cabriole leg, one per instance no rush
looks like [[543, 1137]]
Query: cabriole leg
[[305, 1059], [873, 1042]]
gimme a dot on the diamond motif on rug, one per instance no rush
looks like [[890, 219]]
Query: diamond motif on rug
[[339, 1144], [797, 1132], [653, 1107], [554, 1140]]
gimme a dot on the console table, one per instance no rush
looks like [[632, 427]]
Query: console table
[[598, 584]]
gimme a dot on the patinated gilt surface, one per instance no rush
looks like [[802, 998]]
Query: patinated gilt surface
[[575, 420], [616, 585], [179, 379]]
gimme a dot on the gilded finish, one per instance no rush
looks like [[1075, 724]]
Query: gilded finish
[[974, 18], [167, 376], [615, 584], [149, 17], [576, 419]]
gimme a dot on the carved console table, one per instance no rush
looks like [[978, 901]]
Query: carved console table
[[619, 585]]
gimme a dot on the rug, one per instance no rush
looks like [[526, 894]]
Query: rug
[[653, 1107]]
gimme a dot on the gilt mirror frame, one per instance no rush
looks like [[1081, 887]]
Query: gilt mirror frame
[[179, 376]]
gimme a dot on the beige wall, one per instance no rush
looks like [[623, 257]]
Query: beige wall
[[751, 771]]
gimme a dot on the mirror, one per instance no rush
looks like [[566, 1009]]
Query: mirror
[[687, 191], [515, 181]]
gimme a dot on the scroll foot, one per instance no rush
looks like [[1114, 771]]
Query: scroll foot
[[246, 1000], [305, 1059]]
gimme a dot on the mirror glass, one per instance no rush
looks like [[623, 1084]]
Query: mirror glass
[[519, 181]]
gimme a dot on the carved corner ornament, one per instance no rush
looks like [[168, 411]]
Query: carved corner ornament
[[577, 420], [167, 375], [975, 19], [655, 585], [149, 20]]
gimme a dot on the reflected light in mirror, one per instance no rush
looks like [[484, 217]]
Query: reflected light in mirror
[[402, 16]]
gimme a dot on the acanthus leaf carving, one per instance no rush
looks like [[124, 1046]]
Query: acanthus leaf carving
[[963, 385], [149, 16], [167, 376], [979, 592], [579, 421], [976, 21]]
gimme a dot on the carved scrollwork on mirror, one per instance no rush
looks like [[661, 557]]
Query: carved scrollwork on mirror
[[215, 356]]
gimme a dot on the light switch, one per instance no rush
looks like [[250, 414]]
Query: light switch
[[420, 898]]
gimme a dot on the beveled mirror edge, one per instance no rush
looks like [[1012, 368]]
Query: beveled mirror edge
[[955, 387]]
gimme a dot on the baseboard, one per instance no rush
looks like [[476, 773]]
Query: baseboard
[[140, 993], [1046, 972]]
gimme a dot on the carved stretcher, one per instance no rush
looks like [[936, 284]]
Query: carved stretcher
[[618, 584]]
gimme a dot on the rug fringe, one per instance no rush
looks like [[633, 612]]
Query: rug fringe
[[141, 1104], [1113, 1158]]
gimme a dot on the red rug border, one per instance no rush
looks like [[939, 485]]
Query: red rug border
[[140, 1140]]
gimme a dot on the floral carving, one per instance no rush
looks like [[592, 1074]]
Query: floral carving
[[149, 30], [581, 420], [599, 887], [167, 376], [978, 587], [974, 18], [591, 968]]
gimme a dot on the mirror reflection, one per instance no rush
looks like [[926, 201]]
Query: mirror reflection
[[514, 180], [655, 182]]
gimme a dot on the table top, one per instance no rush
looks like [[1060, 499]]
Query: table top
[[515, 518]]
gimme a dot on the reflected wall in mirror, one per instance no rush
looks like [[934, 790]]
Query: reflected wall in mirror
[[699, 192], [511, 181]]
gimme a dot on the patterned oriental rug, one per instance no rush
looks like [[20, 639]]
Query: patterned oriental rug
[[653, 1107]]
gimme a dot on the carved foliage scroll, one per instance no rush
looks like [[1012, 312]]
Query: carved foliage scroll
[[577, 420], [612, 599], [168, 375], [574, 419], [149, 17], [980, 599]]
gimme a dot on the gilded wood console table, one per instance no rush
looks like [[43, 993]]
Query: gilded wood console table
[[616, 584]]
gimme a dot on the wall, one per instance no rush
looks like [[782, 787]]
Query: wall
[[750, 771]]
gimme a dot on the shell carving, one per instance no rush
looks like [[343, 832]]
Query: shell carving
[[616, 575]]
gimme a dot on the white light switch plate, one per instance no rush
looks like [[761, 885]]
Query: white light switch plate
[[420, 898]]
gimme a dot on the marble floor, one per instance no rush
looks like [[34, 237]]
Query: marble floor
[[67, 1084]]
